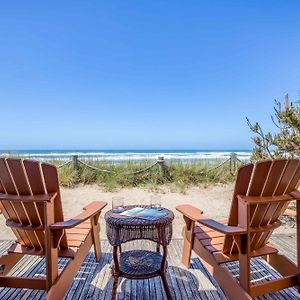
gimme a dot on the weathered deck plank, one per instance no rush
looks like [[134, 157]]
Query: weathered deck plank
[[94, 280]]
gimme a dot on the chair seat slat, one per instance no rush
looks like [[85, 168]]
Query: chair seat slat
[[213, 241], [223, 258], [209, 235]]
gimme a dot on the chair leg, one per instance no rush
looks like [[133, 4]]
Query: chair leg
[[187, 251], [115, 287], [158, 248], [244, 261], [166, 285], [65, 279], [96, 237]]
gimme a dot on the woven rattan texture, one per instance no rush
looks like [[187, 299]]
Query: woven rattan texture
[[140, 262], [120, 229]]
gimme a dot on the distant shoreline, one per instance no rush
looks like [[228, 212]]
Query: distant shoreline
[[128, 155]]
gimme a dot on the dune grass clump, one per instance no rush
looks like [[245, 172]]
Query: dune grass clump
[[126, 174]]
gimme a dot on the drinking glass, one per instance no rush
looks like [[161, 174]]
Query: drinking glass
[[117, 204], [155, 201]]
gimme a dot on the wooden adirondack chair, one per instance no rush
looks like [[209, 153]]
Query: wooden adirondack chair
[[30, 201], [261, 195]]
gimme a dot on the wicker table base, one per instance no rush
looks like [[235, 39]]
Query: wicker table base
[[140, 263]]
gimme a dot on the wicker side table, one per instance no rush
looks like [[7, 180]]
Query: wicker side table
[[139, 264]]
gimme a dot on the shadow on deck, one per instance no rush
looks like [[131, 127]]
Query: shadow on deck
[[94, 280]]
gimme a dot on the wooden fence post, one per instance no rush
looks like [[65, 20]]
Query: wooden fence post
[[163, 167], [75, 163], [233, 161]]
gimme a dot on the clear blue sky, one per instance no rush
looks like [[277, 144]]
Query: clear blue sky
[[143, 74]]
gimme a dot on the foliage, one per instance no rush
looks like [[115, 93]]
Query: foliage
[[183, 174], [286, 141]]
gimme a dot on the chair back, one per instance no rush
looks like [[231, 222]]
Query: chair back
[[20, 179], [264, 179]]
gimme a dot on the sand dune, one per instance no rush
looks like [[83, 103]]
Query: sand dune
[[214, 200]]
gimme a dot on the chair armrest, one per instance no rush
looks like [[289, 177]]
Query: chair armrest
[[233, 230], [190, 211], [89, 211]]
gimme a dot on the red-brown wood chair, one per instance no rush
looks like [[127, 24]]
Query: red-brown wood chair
[[31, 204], [261, 195]]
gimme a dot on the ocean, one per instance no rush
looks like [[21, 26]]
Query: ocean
[[126, 155]]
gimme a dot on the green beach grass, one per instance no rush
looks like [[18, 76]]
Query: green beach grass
[[181, 174]]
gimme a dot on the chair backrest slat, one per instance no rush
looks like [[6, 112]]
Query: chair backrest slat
[[2, 190], [259, 177], [6, 207], [6, 178], [9, 210], [287, 177], [277, 170], [261, 213], [18, 176], [262, 239], [7, 216], [34, 177], [241, 187], [52, 186], [294, 182]]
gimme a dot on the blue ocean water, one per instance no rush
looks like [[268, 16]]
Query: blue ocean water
[[123, 155]]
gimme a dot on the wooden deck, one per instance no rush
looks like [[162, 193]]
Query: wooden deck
[[94, 280]]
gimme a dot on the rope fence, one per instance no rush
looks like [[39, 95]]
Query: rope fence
[[94, 168], [64, 164], [141, 170], [160, 161], [233, 161]]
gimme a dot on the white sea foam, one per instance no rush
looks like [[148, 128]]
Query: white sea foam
[[131, 155]]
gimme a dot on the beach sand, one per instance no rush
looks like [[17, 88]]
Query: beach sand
[[214, 200]]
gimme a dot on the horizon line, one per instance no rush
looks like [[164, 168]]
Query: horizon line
[[125, 149]]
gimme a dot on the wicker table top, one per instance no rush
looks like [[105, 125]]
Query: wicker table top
[[121, 229]]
